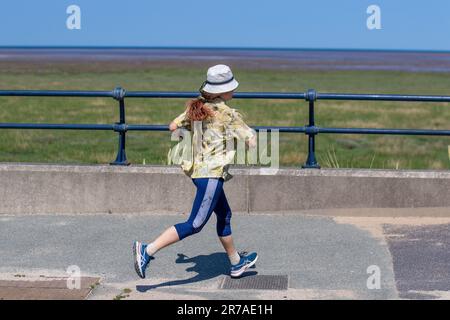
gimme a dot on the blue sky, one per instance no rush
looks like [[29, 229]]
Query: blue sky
[[330, 24]]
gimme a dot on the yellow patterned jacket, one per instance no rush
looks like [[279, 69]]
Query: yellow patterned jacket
[[208, 147]]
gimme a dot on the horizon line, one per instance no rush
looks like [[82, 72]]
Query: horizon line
[[222, 48]]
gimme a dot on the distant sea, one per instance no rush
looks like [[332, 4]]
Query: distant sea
[[410, 61]]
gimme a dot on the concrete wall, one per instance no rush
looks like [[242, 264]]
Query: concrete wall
[[43, 188]]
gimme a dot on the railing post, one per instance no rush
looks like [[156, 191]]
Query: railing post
[[121, 159], [311, 162]]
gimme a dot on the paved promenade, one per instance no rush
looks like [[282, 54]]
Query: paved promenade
[[302, 256]]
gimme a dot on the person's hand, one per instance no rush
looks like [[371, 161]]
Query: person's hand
[[173, 126], [252, 142]]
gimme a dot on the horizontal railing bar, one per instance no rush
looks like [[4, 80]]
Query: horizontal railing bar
[[133, 127], [129, 127], [280, 129], [160, 94], [59, 126], [269, 95], [384, 131], [304, 129], [146, 94], [238, 95], [147, 127], [55, 93], [381, 97]]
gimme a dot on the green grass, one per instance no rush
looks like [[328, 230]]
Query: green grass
[[123, 295], [344, 151]]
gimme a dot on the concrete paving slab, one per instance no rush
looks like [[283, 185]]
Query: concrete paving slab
[[46, 288], [421, 259]]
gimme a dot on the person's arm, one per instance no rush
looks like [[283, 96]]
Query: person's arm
[[251, 142], [179, 122], [241, 130]]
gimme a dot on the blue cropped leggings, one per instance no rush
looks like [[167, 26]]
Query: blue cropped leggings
[[210, 197]]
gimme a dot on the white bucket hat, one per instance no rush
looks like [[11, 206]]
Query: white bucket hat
[[219, 79]]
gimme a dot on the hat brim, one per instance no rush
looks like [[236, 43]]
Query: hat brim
[[211, 88]]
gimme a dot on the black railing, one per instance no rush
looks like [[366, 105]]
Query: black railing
[[310, 129]]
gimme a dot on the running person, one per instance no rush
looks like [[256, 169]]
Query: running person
[[208, 168]]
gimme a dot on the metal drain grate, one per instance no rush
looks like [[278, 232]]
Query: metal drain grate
[[257, 282]]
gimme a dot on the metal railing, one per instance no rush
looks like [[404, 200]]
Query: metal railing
[[311, 96]]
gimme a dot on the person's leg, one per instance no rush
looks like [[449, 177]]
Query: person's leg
[[204, 202], [223, 213], [239, 262], [208, 192], [228, 244], [143, 253], [230, 249], [168, 237]]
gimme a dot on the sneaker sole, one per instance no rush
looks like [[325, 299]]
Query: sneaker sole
[[243, 269], [136, 264]]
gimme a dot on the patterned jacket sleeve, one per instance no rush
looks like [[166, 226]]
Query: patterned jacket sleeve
[[238, 128], [182, 121]]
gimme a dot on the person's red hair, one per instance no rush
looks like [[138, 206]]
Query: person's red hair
[[197, 110]]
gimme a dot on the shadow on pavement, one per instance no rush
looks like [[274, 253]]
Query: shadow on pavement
[[206, 266]]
